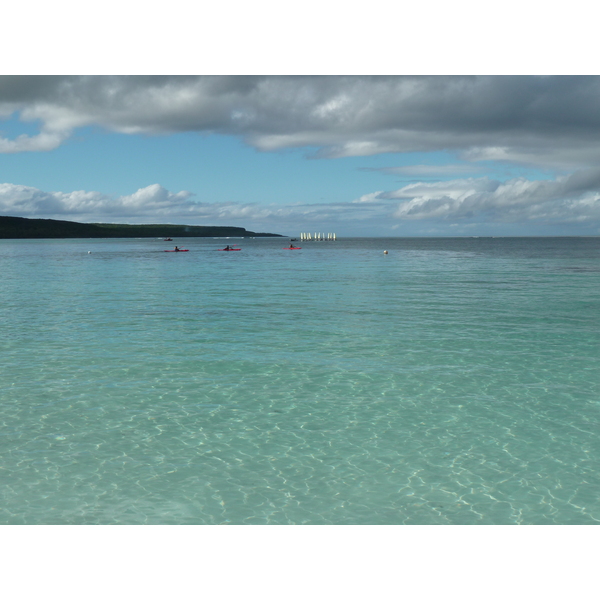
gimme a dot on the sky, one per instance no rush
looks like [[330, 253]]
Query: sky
[[324, 117], [437, 155]]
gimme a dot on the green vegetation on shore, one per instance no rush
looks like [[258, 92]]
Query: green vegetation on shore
[[22, 228]]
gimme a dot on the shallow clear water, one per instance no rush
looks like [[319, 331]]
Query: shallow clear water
[[452, 381]]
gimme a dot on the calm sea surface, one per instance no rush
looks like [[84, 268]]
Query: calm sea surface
[[451, 381]]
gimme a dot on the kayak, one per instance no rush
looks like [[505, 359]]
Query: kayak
[[291, 248], [176, 250], [228, 249]]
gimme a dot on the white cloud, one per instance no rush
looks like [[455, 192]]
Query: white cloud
[[572, 201], [565, 200], [19, 200], [369, 198], [42, 142], [432, 170], [154, 204]]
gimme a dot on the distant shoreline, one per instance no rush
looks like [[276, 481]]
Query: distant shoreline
[[23, 228]]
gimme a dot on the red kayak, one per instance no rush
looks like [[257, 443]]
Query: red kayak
[[291, 248]]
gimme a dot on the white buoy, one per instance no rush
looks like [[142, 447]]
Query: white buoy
[[385, 251], [89, 251]]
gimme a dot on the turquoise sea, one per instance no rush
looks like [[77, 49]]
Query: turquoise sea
[[450, 381]]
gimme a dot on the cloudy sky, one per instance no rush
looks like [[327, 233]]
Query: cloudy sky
[[355, 155]]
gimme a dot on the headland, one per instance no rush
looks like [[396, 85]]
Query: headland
[[23, 228]]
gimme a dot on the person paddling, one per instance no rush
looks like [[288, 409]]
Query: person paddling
[[177, 249]]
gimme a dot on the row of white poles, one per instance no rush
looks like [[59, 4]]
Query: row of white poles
[[318, 237]]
